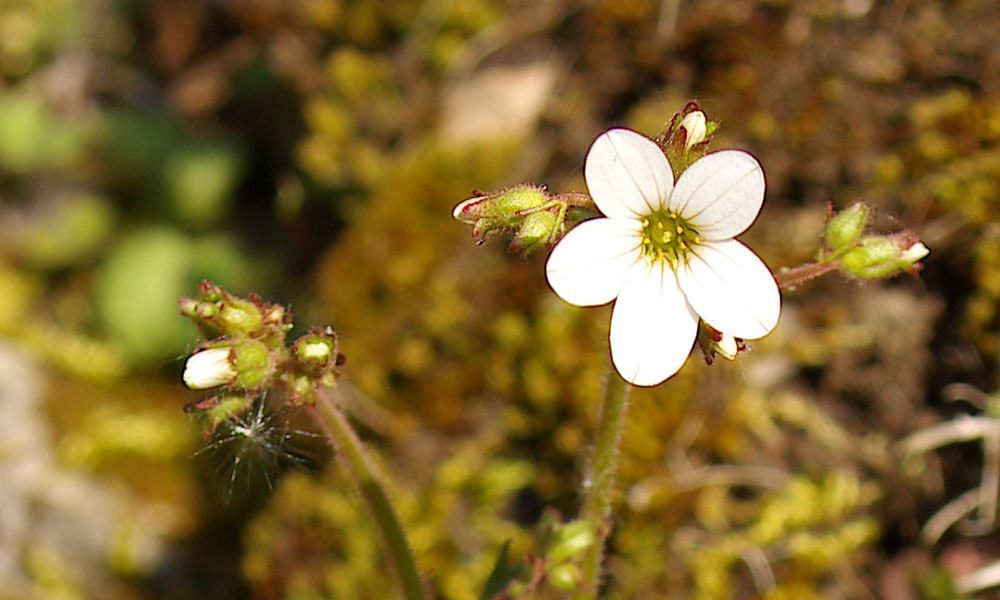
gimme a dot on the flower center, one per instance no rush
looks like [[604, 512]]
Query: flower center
[[666, 236]]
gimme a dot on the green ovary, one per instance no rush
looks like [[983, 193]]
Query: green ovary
[[666, 236]]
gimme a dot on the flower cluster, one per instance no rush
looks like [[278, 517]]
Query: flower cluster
[[869, 256], [247, 353], [665, 253], [537, 218]]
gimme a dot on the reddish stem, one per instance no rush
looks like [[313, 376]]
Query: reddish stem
[[791, 278]]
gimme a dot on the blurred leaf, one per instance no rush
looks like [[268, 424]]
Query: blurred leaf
[[68, 233], [138, 290], [136, 143], [503, 573], [200, 181], [139, 285], [32, 137]]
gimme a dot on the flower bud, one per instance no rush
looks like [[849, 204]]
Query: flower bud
[[716, 343], [252, 361], [877, 257], [316, 352], [571, 540], [695, 128], [727, 347], [239, 315], [209, 368], [493, 213], [846, 227], [914, 253], [537, 230], [685, 139], [217, 409], [565, 577]]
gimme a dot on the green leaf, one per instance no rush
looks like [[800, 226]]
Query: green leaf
[[501, 576]]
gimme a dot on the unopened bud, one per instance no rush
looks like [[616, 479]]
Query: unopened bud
[[223, 409], [209, 292], [571, 540], [537, 230], [252, 361], [239, 315], [685, 139], [716, 343], [846, 227], [493, 213], [695, 127], [316, 352], [565, 577], [914, 253], [209, 368], [877, 257], [727, 347]]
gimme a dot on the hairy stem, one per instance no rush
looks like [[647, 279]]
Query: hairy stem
[[599, 483], [369, 484], [791, 278]]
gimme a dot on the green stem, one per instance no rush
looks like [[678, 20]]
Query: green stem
[[599, 486], [365, 475]]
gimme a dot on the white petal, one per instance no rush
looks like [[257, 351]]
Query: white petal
[[627, 174], [731, 288], [720, 194], [208, 369], [587, 267], [652, 326]]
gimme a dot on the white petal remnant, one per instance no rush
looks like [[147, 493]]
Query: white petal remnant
[[208, 369], [665, 253]]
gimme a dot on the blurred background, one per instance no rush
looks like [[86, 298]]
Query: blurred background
[[312, 151]]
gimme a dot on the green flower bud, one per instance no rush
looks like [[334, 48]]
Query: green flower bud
[[877, 257], [316, 352], [846, 227], [209, 292], [565, 577], [252, 361], [223, 409], [493, 213], [537, 230], [299, 388], [239, 315], [571, 540], [504, 205]]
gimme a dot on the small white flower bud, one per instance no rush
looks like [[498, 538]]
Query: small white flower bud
[[726, 347], [695, 126], [208, 369], [914, 253]]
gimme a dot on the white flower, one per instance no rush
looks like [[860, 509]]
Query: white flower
[[208, 369], [667, 253]]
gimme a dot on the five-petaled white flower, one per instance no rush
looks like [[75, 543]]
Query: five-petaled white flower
[[667, 253]]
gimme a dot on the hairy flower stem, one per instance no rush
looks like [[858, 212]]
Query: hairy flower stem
[[369, 484], [599, 483], [791, 278]]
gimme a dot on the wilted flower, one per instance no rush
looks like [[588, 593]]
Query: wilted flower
[[666, 253], [209, 368]]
